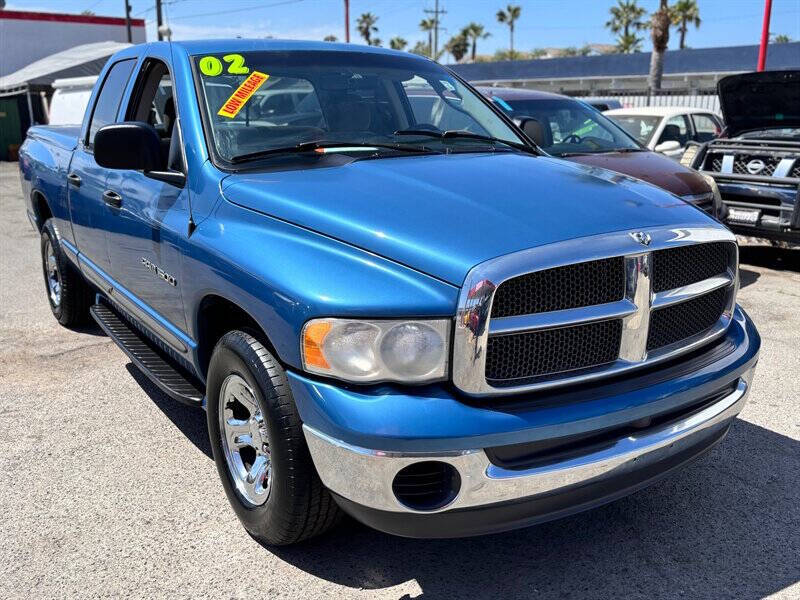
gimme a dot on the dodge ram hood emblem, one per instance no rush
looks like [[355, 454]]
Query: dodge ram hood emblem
[[754, 167], [643, 238]]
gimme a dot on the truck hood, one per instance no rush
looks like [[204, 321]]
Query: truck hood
[[755, 101], [651, 167], [444, 214]]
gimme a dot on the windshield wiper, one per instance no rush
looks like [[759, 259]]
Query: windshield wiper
[[320, 144], [454, 133]]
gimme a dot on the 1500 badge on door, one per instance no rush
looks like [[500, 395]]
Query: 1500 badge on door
[[155, 269]]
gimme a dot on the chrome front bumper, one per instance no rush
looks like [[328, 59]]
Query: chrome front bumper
[[365, 476]]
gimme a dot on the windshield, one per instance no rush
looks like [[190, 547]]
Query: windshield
[[642, 127], [261, 101], [569, 126]]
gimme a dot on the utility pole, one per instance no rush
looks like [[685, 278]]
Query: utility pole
[[347, 21], [435, 12], [128, 20], [158, 20], [762, 51]]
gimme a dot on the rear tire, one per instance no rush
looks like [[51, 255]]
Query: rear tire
[[259, 448], [68, 293]]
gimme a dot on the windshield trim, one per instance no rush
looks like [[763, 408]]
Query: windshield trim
[[227, 166]]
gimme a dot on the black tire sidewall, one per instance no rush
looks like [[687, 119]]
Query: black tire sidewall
[[235, 354], [49, 234]]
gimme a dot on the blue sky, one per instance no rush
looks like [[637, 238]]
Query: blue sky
[[544, 23]]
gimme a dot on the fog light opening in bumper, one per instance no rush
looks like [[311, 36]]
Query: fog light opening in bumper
[[426, 486]]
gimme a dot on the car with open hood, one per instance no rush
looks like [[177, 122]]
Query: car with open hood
[[394, 308], [756, 161], [571, 129]]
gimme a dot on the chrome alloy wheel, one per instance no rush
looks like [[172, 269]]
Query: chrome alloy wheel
[[244, 440], [52, 274]]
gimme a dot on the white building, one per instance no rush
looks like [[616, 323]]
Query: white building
[[26, 36]]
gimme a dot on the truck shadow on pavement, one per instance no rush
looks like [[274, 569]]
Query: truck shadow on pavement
[[726, 526], [779, 259], [190, 420]]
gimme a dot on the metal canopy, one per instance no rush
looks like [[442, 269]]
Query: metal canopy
[[87, 59]]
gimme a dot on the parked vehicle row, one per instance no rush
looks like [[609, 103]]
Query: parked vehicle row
[[756, 162], [388, 300], [570, 129]]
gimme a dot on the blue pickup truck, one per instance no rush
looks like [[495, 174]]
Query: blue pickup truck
[[389, 307]]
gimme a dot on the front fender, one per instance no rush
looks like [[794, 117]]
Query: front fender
[[283, 275]]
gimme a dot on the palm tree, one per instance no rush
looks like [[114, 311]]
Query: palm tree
[[458, 46], [366, 27], [628, 44], [682, 13], [781, 38], [421, 48], [398, 43], [329, 38], [428, 25], [659, 32], [473, 33], [626, 18], [508, 16]]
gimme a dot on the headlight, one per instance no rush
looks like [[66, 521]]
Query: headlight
[[408, 351], [688, 155], [715, 191]]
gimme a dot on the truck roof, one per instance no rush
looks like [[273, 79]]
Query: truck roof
[[244, 45]]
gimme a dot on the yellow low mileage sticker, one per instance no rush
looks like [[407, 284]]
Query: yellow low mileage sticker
[[242, 94]]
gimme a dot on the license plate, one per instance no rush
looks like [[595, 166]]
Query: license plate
[[745, 216]]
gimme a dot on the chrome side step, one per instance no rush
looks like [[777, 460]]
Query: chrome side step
[[159, 370]]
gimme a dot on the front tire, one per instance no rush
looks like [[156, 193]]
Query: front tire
[[68, 293], [259, 448]]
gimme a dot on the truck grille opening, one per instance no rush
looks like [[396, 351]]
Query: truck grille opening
[[686, 319], [427, 485], [740, 162], [685, 265], [583, 342], [714, 162], [551, 351], [572, 286]]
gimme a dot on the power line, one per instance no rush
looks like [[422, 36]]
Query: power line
[[435, 12]]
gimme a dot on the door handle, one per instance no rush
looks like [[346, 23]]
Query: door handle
[[74, 179], [112, 198]]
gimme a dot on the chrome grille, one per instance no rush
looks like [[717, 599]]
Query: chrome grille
[[549, 351], [676, 267], [741, 161], [572, 286], [652, 303], [677, 322]]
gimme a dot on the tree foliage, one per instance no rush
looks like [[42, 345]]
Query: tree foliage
[[366, 25], [509, 17], [682, 14]]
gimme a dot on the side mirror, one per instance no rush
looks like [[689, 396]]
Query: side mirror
[[129, 145], [136, 146], [533, 129], [670, 146]]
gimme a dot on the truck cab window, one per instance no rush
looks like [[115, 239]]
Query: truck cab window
[[153, 102], [109, 98]]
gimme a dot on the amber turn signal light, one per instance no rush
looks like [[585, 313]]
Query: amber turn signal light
[[313, 336]]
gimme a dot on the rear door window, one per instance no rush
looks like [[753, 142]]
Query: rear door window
[[706, 127], [109, 98], [676, 129]]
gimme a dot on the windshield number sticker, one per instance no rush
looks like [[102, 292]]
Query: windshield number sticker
[[242, 94], [211, 66]]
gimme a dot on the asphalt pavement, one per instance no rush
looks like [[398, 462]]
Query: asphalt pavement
[[107, 487]]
